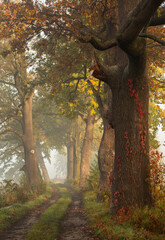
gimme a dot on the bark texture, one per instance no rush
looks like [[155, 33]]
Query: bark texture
[[42, 165], [130, 93], [86, 150], [106, 151], [70, 160], [77, 158], [31, 165]]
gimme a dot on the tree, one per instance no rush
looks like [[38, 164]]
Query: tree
[[127, 79], [14, 75]]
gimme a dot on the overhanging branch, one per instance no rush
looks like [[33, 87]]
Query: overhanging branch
[[98, 43], [152, 37], [158, 19], [136, 20]]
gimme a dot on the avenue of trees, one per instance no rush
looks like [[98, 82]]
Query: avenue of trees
[[84, 65]]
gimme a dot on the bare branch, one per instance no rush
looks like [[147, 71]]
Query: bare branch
[[154, 38], [98, 43], [10, 130], [107, 74]]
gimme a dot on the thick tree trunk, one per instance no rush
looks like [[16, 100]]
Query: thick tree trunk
[[42, 165], [130, 186], [129, 84], [77, 158], [86, 150], [130, 111], [70, 160], [31, 165]]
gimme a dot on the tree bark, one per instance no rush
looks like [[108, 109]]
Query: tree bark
[[77, 159], [130, 111], [86, 150], [70, 159], [129, 84], [42, 165], [106, 151], [31, 165]]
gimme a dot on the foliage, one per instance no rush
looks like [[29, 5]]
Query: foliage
[[125, 225], [157, 177], [13, 213], [48, 225]]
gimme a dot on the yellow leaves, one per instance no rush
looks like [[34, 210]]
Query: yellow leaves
[[93, 112]]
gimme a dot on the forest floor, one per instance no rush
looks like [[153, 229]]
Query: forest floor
[[19, 229], [73, 226]]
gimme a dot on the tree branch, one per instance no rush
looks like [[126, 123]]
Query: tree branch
[[154, 38], [136, 20], [8, 83], [84, 118], [98, 43], [105, 73], [158, 19], [12, 131]]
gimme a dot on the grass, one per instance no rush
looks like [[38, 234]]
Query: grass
[[146, 224], [47, 228], [11, 214]]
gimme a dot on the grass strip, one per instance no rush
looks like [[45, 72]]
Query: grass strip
[[47, 228], [15, 212], [110, 228]]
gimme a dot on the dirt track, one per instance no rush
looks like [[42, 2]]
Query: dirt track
[[74, 226], [20, 229]]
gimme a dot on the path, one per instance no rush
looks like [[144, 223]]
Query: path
[[20, 229], [74, 226]]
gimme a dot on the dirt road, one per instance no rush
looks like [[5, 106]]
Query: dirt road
[[20, 229], [74, 226]]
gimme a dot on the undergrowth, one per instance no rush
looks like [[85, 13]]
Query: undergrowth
[[145, 224], [48, 225], [11, 192]]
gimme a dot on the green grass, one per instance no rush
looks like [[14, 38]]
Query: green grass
[[15, 212], [118, 228], [47, 228]]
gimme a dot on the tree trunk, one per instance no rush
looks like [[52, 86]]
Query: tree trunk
[[77, 159], [129, 85], [106, 156], [87, 149], [70, 160], [106, 151], [130, 186], [31, 165], [42, 165], [130, 111]]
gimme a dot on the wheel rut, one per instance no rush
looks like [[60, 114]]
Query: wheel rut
[[19, 230], [75, 226]]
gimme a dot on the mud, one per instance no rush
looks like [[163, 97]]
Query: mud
[[19, 230]]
